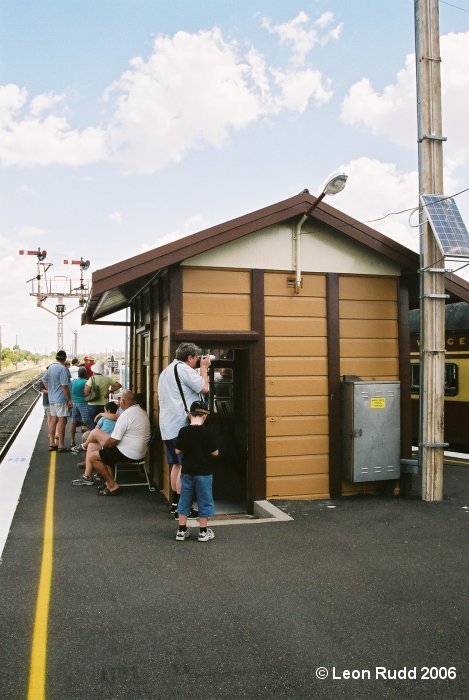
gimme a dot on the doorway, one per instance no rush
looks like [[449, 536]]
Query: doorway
[[228, 402]]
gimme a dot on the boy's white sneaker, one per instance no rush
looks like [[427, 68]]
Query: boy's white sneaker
[[206, 536], [182, 535]]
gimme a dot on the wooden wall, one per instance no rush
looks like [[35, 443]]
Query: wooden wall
[[296, 388], [368, 318], [216, 299], [369, 343], [296, 357]]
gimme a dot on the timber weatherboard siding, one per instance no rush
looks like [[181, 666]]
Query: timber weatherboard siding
[[297, 464], [369, 338]]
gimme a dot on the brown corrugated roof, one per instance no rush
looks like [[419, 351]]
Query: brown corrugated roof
[[113, 286]]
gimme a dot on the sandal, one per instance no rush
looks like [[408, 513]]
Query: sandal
[[105, 492], [53, 448], [63, 449]]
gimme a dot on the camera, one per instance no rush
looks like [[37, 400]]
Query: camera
[[212, 358]]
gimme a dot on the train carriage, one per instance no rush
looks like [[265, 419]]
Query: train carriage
[[456, 375]]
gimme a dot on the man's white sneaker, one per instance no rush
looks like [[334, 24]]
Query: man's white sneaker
[[206, 536], [182, 535]]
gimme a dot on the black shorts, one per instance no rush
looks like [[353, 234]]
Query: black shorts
[[111, 456]]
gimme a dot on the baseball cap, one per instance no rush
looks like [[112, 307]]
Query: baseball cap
[[199, 408]]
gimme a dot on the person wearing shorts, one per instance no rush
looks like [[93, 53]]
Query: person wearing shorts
[[172, 414], [197, 446], [57, 383], [127, 443], [80, 411]]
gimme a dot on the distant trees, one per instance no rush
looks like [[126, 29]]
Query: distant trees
[[15, 356]]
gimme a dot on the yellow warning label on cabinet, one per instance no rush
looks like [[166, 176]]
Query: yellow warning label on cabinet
[[378, 402]]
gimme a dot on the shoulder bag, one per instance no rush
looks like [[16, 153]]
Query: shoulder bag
[[94, 391], [178, 382]]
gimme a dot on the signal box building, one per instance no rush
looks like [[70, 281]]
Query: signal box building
[[283, 334]]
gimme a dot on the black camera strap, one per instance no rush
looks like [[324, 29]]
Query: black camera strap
[[178, 382]]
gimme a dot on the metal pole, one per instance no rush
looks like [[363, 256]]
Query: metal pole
[[432, 303]]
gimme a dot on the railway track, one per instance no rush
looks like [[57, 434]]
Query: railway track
[[14, 410]]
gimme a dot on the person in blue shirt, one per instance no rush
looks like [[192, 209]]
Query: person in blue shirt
[[80, 412], [99, 434], [57, 383], [107, 423]]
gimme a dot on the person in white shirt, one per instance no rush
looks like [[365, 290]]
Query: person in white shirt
[[173, 413], [128, 442]]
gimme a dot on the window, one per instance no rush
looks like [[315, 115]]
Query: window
[[451, 378]]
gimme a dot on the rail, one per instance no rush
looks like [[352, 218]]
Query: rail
[[12, 426]]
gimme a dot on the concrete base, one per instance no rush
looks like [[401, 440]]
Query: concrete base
[[264, 512]]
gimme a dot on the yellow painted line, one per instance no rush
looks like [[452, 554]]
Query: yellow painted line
[[38, 668]]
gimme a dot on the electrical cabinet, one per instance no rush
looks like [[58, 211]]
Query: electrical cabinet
[[371, 436]]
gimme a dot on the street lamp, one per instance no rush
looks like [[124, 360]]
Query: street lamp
[[334, 185]]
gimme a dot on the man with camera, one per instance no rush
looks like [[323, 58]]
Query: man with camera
[[179, 385]]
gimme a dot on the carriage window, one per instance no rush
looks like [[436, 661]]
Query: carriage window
[[451, 378]]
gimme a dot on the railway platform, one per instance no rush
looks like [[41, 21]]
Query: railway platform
[[98, 600]]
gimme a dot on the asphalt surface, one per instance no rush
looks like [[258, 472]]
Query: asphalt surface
[[345, 588]]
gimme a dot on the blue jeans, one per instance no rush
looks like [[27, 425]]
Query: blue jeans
[[202, 486]]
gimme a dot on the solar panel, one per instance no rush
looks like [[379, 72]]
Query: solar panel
[[447, 225]]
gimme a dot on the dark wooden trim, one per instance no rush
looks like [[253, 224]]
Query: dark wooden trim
[[404, 368], [175, 306], [131, 368], [256, 486], [151, 307], [161, 286], [222, 337], [108, 323], [333, 372]]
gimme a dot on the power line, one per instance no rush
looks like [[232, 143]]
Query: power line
[[463, 9], [404, 211]]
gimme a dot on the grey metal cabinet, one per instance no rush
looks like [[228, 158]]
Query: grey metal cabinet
[[371, 430]]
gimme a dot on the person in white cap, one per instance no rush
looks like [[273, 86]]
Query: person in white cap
[[102, 385]]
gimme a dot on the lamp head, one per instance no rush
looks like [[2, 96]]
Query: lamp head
[[335, 184]]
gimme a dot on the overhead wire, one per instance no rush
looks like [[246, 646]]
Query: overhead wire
[[450, 4], [412, 209]]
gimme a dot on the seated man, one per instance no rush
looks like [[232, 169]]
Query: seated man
[[127, 443]]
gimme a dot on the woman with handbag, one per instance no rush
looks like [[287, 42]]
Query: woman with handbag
[[97, 389]]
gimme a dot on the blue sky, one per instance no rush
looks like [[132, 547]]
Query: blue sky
[[124, 124]]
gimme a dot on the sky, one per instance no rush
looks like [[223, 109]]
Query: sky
[[125, 124]]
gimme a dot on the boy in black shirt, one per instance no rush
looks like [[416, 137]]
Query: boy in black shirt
[[196, 444]]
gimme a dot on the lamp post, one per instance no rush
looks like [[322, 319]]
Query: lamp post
[[334, 185]]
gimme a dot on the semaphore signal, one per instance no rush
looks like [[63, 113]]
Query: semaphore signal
[[59, 288]]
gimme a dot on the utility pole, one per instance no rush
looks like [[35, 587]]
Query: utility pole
[[432, 281]]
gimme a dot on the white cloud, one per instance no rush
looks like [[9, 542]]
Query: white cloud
[[297, 88], [45, 102], [27, 138], [375, 189], [392, 113], [115, 217], [193, 224], [194, 90], [301, 33]]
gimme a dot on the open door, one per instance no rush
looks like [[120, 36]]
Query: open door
[[229, 380]]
